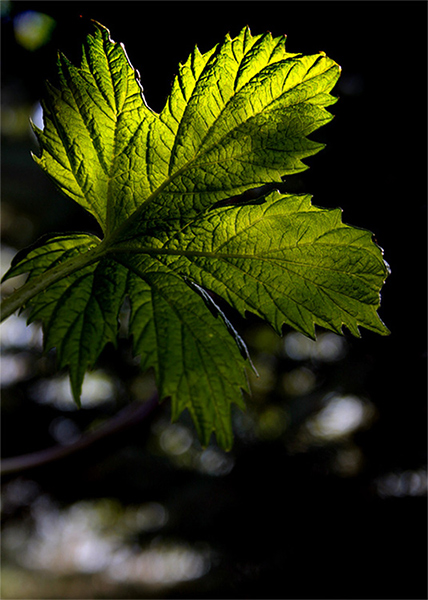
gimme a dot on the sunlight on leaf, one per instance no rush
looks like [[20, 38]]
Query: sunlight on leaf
[[238, 118]]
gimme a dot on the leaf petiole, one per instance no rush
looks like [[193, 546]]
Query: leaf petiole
[[19, 298]]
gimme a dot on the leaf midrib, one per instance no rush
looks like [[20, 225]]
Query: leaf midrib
[[292, 58]]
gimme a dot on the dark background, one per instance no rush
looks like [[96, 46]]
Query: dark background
[[284, 524]]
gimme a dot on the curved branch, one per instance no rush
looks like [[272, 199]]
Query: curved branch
[[129, 416]]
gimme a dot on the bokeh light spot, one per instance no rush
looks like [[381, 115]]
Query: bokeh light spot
[[341, 416], [33, 29]]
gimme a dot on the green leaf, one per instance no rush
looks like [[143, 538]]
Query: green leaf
[[79, 312], [198, 363], [237, 118], [96, 123], [305, 268]]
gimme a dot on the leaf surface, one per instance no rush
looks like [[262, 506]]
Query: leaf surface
[[237, 118], [306, 268]]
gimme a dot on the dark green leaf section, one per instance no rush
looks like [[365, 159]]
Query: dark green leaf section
[[79, 312], [238, 117], [197, 363], [49, 252]]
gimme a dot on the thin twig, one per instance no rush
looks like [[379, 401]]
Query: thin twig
[[132, 414]]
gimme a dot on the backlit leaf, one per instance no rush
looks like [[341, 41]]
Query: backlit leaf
[[238, 118]]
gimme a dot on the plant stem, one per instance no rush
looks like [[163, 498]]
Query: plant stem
[[131, 415]]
